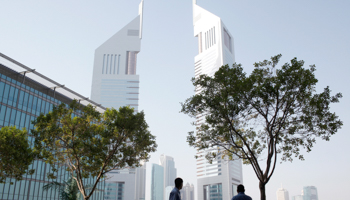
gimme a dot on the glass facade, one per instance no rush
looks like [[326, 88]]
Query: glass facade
[[212, 192], [21, 101], [114, 191], [157, 182], [310, 193]]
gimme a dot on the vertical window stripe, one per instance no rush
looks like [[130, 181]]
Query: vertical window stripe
[[107, 64], [118, 63], [111, 64], [115, 61], [214, 36], [103, 65]]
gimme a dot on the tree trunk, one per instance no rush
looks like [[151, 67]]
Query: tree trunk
[[262, 191]]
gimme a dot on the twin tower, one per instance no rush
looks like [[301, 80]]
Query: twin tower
[[115, 83]]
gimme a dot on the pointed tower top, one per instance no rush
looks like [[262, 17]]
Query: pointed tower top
[[194, 1], [141, 18]]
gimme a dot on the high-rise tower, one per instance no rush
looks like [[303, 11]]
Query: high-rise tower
[[114, 80], [310, 193], [115, 84], [282, 194], [170, 171], [215, 47]]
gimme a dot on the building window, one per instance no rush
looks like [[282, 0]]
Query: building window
[[227, 40], [131, 62], [200, 42], [213, 191], [103, 64]]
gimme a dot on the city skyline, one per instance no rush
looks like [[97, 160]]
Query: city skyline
[[59, 38]]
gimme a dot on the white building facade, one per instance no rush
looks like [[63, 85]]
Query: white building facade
[[220, 179], [115, 83], [282, 194]]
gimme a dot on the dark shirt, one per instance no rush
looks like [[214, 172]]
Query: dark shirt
[[175, 194], [241, 196]]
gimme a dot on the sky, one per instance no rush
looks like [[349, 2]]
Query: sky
[[58, 39]]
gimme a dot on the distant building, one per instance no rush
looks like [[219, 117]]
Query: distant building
[[282, 194], [297, 197], [220, 178], [187, 192], [310, 193], [157, 182], [169, 170], [163, 177]]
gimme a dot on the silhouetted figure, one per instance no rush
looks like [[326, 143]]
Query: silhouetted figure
[[175, 193], [241, 195]]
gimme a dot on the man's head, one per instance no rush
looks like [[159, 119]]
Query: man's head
[[178, 183], [240, 188]]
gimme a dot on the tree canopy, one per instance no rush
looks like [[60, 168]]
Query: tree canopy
[[15, 154], [273, 111], [90, 144]]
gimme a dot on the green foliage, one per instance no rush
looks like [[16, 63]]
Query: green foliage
[[68, 190], [15, 154], [90, 143], [254, 118]]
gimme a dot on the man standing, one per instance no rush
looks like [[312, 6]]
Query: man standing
[[175, 193], [241, 195]]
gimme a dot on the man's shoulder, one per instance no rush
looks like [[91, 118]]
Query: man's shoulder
[[241, 197], [175, 190]]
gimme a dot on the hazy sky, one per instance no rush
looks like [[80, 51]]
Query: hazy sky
[[58, 39]]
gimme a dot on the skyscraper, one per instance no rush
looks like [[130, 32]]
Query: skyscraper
[[282, 194], [215, 47], [115, 83], [157, 182], [163, 182], [187, 192], [310, 193], [169, 170]]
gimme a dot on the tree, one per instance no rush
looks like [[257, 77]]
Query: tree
[[255, 118], [90, 144], [68, 190], [15, 154]]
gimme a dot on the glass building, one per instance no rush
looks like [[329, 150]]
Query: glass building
[[24, 95], [114, 191], [310, 193], [157, 184]]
